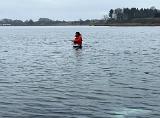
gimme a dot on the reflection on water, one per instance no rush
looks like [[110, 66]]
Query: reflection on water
[[115, 74]]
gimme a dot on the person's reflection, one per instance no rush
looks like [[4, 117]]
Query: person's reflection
[[78, 53], [78, 57]]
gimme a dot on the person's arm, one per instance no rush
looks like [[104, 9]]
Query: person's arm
[[73, 40]]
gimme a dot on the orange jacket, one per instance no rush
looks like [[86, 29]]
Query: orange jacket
[[78, 40]]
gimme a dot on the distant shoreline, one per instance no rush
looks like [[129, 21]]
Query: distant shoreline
[[129, 24], [109, 24], [115, 24]]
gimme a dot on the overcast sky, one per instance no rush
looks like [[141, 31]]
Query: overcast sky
[[66, 9]]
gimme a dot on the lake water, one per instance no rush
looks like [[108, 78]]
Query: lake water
[[115, 75]]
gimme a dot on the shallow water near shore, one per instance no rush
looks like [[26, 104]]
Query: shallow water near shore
[[115, 75]]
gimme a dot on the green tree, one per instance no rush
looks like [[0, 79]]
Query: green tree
[[111, 13]]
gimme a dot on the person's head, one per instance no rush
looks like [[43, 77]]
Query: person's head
[[77, 34]]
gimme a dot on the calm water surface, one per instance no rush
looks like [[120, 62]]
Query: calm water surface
[[115, 75]]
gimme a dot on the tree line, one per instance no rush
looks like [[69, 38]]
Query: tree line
[[125, 15], [40, 22], [133, 13], [48, 22]]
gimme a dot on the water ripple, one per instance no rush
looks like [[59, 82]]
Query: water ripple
[[115, 74]]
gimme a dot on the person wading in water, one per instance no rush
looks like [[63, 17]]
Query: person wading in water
[[78, 40]]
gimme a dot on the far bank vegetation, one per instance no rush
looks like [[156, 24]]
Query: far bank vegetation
[[115, 17]]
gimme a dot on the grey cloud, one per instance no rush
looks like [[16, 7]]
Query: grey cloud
[[66, 9]]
